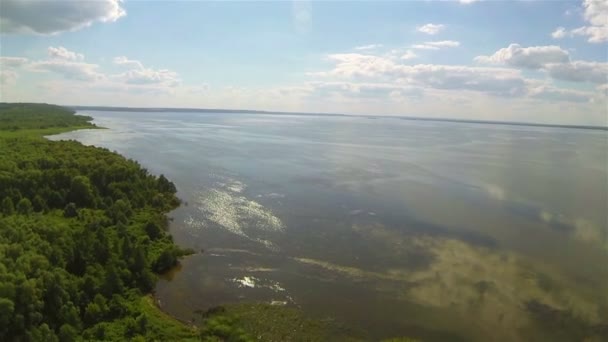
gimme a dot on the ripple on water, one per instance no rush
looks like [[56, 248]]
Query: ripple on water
[[227, 208]]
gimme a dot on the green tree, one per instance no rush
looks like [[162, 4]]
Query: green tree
[[81, 192], [153, 230], [68, 333], [8, 208], [165, 261], [39, 204], [70, 210], [24, 206], [7, 309], [165, 185]]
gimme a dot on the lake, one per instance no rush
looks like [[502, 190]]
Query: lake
[[438, 230]]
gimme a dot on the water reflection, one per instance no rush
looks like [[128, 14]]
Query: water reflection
[[440, 231]]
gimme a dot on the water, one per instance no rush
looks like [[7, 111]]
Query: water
[[441, 231]]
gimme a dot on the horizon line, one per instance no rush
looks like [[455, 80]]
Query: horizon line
[[402, 117]]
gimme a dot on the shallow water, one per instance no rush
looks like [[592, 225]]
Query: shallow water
[[436, 230]]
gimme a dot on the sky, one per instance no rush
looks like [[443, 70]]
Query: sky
[[529, 61]]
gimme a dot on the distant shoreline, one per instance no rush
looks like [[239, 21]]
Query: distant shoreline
[[248, 111]]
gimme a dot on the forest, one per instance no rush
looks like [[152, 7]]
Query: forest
[[82, 235]]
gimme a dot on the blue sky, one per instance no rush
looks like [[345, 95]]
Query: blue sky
[[539, 61]]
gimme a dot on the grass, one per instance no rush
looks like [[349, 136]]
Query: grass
[[172, 329], [265, 322], [42, 132]]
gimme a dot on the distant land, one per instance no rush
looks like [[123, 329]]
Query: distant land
[[248, 111]]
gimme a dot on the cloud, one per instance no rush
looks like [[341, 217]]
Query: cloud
[[12, 62], [534, 57], [596, 34], [551, 59], [579, 71], [377, 91], [354, 65], [467, 2], [67, 63], [436, 45], [8, 77], [146, 76], [550, 93], [431, 29], [409, 54], [71, 70], [50, 17], [596, 15], [495, 81], [131, 63], [492, 81], [368, 47], [140, 75], [63, 53], [559, 33]]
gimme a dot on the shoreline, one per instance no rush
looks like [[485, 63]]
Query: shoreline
[[95, 223], [150, 296]]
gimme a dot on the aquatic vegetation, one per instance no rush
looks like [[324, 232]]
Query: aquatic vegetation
[[272, 323], [487, 286]]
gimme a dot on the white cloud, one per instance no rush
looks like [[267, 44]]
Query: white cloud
[[424, 47], [12, 62], [377, 91], [368, 47], [436, 45], [431, 28], [579, 71], [409, 54], [8, 77], [596, 34], [596, 14], [444, 43], [551, 59], [496, 81], [131, 63], [49, 17], [140, 75], [8, 74], [534, 57], [72, 70], [147, 76], [70, 64], [354, 65], [559, 33], [466, 2], [547, 92], [63, 53]]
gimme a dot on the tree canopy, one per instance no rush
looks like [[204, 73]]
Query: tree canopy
[[82, 234]]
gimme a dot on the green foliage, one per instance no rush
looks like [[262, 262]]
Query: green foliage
[[265, 322], [18, 116], [24, 206], [223, 328], [78, 249], [7, 207]]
